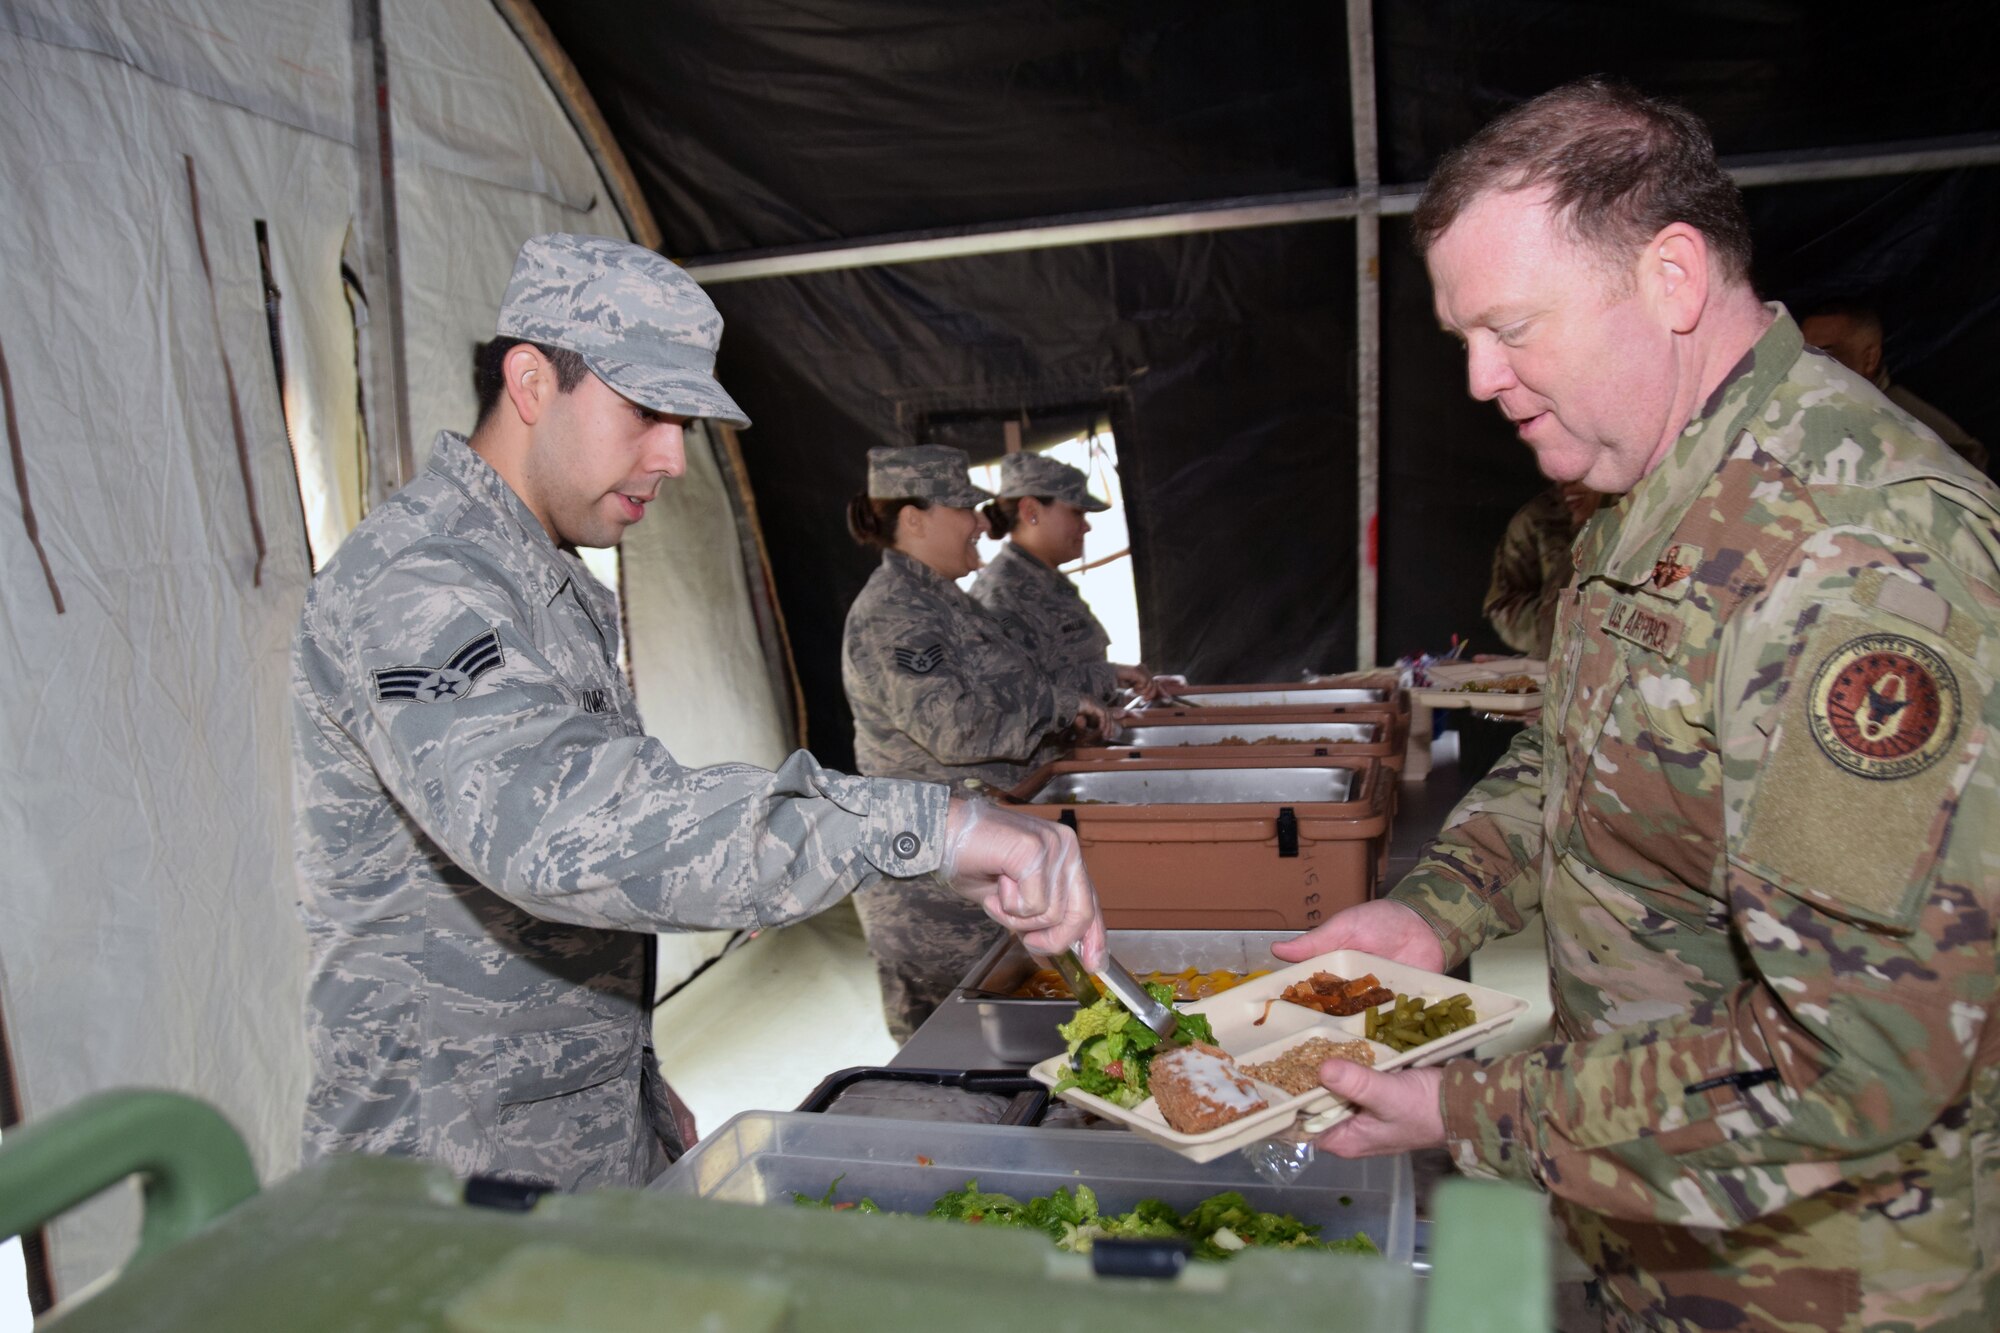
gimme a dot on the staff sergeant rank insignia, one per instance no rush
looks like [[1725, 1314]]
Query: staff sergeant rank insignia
[[453, 680], [920, 661], [1883, 706]]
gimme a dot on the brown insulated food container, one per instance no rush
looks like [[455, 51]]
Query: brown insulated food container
[[1228, 842]]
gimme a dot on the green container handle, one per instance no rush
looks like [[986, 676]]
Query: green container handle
[[192, 1164]]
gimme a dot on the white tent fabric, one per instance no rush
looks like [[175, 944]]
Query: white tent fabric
[[147, 925]]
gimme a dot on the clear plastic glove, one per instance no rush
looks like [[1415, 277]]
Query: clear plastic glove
[[1383, 927], [1094, 719], [1027, 874]]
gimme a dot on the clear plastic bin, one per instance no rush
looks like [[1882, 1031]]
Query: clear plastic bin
[[763, 1157]]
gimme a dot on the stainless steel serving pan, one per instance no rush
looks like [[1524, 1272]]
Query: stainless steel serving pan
[[1224, 733], [1022, 1031], [1277, 698], [1200, 786]]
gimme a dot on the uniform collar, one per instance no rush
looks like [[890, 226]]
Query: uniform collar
[[546, 566], [1629, 544], [1044, 572], [916, 571]]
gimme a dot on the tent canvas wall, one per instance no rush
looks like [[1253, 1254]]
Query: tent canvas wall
[[180, 186]]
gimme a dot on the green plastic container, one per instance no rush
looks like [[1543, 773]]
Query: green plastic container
[[371, 1244]]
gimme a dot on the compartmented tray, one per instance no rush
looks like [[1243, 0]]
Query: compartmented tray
[[1234, 1015]]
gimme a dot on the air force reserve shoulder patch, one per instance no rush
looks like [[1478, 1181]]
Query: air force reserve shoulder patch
[[920, 661], [1883, 706], [451, 681]]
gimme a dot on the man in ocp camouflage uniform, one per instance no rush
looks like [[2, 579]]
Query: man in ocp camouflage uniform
[[1533, 564], [1760, 816], [485, 835]]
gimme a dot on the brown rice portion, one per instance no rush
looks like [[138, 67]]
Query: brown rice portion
[[1297, 1070]]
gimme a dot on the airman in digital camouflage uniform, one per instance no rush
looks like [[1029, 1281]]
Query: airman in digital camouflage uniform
[[484, 833], [940, 690], [1532, 566], [1027, 591], [1760, 816]]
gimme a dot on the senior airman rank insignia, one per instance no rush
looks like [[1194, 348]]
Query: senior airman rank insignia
[[453, 680], [1883, 706], [920, 661]]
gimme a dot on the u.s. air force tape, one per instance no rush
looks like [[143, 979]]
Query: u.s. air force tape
[[427, 684]]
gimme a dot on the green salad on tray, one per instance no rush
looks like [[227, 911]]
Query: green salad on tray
[[1109, 1049]]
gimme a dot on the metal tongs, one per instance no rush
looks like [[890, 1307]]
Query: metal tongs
[[1121, 986]]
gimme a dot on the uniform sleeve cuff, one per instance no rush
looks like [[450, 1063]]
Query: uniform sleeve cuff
[[1485, 1111], [902, 834]]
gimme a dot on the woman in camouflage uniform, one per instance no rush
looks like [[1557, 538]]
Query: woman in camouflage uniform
[[939, 691], [1042, 509]]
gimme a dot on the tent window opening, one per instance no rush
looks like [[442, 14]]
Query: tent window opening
[[274, 322], [1104, 574]]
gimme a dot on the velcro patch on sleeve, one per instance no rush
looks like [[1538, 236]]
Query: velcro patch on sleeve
[[920, 661], [1868, 749], [451, 680]]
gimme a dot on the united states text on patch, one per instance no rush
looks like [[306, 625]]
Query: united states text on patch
[[1883, 706]]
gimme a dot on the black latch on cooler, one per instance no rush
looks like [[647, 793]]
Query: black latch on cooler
[[1068, 817], [1161, 1258], [1288, 831], [509, 1196]]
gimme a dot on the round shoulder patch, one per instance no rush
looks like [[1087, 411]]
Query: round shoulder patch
[[1883, 706]]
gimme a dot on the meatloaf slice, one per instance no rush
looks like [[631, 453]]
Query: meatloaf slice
[[1199, 1087]]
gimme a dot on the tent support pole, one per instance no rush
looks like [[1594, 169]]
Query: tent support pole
[[1367, 323], [393, 462], [1949, 154]]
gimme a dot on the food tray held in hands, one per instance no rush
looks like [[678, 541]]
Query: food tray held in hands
[[1235, 1017]]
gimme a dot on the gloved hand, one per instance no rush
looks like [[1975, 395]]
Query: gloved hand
[[1027, 874], [1094, 719]]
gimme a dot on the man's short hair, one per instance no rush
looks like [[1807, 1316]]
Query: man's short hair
[[489, 376], [1862, 313], [1618, 166]]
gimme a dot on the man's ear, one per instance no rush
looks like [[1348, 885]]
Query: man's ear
[[529, 382], [1869, 353], [1675, 266]]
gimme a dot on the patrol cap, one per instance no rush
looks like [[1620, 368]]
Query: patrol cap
[[642, 325], [934, 472], [1039, 475]]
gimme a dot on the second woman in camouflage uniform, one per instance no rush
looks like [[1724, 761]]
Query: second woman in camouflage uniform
[[1042, 508], [939, 691]]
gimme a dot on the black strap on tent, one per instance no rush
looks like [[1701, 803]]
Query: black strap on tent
[[274, 312], [21, 481], [228, 378]]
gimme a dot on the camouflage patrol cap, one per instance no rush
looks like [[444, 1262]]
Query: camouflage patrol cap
[[641, 324], [1039, 475], [934, 472]]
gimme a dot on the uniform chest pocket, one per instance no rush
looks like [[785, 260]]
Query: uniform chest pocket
[[1643, 776]]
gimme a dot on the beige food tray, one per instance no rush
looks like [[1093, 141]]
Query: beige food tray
[[1234, 1014], [1449, 679]]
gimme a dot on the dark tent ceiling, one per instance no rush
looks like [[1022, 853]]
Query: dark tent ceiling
[[1226, 360]]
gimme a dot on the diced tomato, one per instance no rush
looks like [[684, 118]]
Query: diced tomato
[[924, 1161], [1116, 1069], [842, 1207]]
